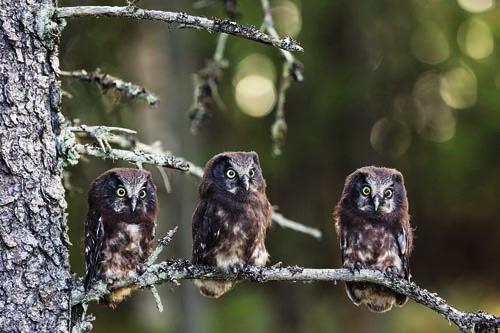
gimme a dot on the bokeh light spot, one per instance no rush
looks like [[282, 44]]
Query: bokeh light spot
[[429, 45], [287, 18], [458, 88], [390, 137], [475, 38], [476, 6], [255, 95], [257, 64], [406, 111], [426, 89], [440, 123]]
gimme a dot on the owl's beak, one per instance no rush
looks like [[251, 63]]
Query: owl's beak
[[376, 202], [133, 203], [245, 180]]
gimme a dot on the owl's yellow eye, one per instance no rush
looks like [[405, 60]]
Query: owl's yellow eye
[[388, 193], [230, 173], [366, 190], [251, 173], [142, 194], [121, 192]]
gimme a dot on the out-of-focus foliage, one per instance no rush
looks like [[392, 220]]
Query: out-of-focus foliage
[[413, 85]]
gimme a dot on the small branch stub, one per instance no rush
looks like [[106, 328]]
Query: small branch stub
[[107, 82]]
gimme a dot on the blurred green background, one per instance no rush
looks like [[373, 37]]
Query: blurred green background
[[407, 84]]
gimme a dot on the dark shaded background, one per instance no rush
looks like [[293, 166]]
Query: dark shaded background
[[407, 84]]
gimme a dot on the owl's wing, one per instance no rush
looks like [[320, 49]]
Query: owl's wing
[[402, 240], [205, 232], [343, 245], [94, 235]]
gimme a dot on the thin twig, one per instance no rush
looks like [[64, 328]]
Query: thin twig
[[176, 270], [282, 221], [156, 295], [206, 86], [162, 243], [279, 127], [175, 19], [107, 82], [292, 69]]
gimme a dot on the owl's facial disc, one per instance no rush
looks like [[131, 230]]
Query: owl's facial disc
[[376, 196], [131, 196], [240, 178]]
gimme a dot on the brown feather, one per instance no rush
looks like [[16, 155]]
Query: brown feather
[[373, 240], [125, 237], [229, 229]]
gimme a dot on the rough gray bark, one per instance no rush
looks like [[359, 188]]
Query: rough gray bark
[[34, 267]]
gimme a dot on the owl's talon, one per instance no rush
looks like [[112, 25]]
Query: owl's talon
[[354, 268], [141, 269], [236, 268], [391, 272]]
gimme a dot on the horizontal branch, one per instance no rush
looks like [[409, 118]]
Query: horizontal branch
[[134, 157], [181, 20], [107, 82], [176, 270]]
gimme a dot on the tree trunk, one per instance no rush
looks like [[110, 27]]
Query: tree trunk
[[34, 266]]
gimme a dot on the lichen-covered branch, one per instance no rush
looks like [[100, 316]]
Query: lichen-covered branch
[[181, 20], [292, 70], [107, 82], [175, 270], [72, 150], [136, 157]]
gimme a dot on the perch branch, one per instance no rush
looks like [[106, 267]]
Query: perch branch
[[107, 82], [292, 69], [181, 20], [175, 270]]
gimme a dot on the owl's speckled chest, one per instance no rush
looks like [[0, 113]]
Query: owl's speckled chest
[[124, 249], [374, 246], [243, 239], [239, 234]]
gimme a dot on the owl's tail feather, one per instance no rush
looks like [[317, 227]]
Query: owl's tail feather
[[376, 298], [213, 288], [118, 295]]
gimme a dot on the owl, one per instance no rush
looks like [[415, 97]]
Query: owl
[[373, 227], [231, 219], [119, 229]]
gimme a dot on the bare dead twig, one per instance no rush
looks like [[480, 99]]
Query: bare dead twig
[[292, 70], [177, 19], [107, 82]]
